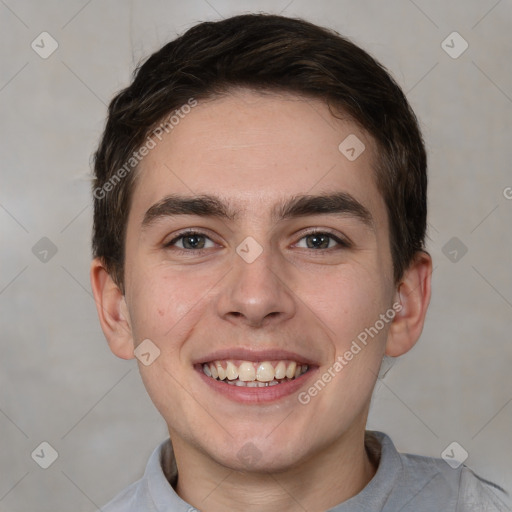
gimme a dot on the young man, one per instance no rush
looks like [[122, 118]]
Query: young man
[[259, 224]]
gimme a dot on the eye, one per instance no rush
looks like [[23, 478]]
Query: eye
[[190, 240], [322, 240]]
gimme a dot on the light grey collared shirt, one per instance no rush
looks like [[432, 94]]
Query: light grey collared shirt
[[402, 483]]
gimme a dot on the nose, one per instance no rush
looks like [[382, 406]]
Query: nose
[[257, 293]]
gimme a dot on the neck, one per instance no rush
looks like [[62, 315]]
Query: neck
[[321, 482]]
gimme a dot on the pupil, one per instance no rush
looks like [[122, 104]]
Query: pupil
[[193, 241], [318, 241]]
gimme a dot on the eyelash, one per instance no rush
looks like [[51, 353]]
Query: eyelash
[[342, 244]]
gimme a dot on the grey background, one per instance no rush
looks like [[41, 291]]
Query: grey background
[[59, 382]]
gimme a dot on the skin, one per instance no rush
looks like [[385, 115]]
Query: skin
[[253, 151]]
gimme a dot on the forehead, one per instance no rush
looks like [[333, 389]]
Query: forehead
[[256, 149]]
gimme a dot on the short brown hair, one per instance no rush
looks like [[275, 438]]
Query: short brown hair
[[267, 53]]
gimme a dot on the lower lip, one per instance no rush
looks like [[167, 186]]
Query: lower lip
[[257, 395]]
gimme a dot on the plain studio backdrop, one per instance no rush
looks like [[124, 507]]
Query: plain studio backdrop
[[59, 383]]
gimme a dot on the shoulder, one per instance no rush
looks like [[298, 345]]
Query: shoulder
[[428, 483], [152, 488], [134, 498], [478, 494], [461, 486]]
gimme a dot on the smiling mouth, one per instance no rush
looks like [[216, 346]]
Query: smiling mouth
[[254, 374]]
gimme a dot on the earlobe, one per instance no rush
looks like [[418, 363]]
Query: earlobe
[[413, 295], [112, 311]]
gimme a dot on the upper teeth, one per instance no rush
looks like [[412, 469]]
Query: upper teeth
[[248, 371]]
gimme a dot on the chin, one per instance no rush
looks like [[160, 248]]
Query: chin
[[259, 456]]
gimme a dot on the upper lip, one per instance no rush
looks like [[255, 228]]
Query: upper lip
[[246, 354]]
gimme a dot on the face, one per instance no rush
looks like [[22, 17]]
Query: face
[[265, 282]]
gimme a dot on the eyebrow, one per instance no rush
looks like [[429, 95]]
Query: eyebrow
[[340, 203]]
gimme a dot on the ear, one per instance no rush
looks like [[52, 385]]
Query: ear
[[412, 299], [112, 311]]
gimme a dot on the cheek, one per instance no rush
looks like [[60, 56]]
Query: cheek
[[358, 343], [163, 303], [351, 303]]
